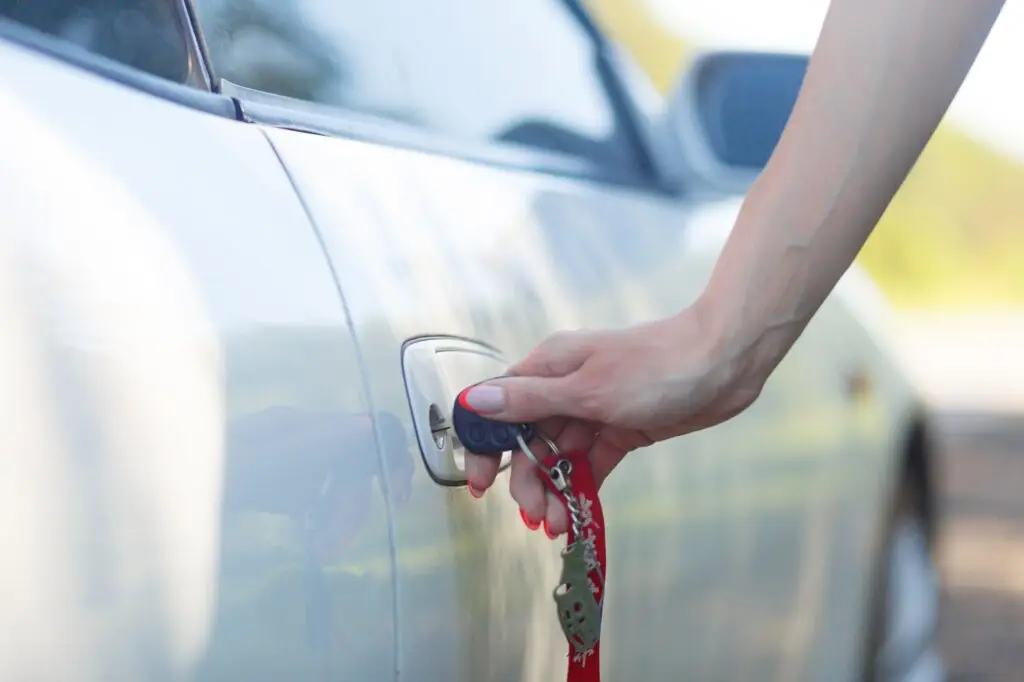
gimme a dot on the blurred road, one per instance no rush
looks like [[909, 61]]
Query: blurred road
[[982, 547], [964, 361]]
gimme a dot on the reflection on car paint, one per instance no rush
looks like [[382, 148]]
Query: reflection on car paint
[[299, 488]]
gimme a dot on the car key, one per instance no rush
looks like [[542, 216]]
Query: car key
[[483, 436], [569, 478]]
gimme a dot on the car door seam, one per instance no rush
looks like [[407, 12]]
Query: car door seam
[[364, 380]]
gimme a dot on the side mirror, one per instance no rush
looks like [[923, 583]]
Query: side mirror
[[729, 111]]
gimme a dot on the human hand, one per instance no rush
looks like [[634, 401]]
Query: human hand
[[609, 393]]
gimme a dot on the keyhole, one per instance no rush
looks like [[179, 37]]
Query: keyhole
[[438, 426]]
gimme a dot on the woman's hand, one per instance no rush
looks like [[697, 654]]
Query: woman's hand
[[879, 81], [609, 393]]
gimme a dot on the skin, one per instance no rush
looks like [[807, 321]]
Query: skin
[[880, 78]]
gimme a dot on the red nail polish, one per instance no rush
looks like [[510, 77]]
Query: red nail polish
[[532, 525], [473, 491], [547, 531]]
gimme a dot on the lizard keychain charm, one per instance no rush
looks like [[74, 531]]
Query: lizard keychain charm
[[579, 595]]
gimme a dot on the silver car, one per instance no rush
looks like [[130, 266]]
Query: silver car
[[251, 251]]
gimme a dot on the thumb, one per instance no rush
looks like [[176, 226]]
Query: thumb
[[558, 355], [525, 399]]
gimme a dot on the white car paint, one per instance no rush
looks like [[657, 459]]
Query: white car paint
[[170, 289]]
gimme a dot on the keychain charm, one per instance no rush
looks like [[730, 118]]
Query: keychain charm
[[579, 596], [578, 608]]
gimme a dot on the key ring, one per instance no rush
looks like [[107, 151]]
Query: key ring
[[525, 447], [559, 473]]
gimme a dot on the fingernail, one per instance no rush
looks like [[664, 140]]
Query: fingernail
[[486, 398], [473, 491], [532, 525], [547, 531]]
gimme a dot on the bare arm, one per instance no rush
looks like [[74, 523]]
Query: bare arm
[[880, 79]]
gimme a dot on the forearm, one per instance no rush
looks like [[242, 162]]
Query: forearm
[[879, 81]]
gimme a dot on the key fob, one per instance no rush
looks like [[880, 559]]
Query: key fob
[[483, 436]]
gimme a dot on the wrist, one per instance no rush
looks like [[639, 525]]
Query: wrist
[[741, 348]]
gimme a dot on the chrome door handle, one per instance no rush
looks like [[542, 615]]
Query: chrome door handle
[[857, 383], [435, 370]]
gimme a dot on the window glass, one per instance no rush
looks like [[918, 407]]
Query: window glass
[[146, 34], [522, 72]]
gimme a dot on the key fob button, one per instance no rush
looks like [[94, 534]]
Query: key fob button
[[477, 433], [483, 436]]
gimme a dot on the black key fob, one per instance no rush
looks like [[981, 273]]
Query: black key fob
[[483, 436]]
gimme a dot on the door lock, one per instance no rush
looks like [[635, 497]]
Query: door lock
[[440, 426], [435, 370]]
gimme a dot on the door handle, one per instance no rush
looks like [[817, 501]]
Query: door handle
[[857, 384], [435, 369]]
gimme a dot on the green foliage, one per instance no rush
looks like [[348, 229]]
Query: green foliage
[[953, 234], [631, 24]]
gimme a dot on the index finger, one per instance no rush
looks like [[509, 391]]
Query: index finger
[[481, 470]]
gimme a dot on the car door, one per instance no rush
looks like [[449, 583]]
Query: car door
[[449, 271], [479, 184], [192, 488]]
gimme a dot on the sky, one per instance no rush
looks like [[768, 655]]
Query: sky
[[989, 106]]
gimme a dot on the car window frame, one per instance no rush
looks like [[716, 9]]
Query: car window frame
[[271, 109], [626, 108], [197, 92], [212, 94]]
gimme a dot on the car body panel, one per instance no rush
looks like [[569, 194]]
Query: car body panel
[[727, 546], [183, 377]]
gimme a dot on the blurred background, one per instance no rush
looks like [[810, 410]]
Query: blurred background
[[949, 256]]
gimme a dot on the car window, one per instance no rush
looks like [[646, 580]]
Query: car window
[[522, 72], [146, 34]]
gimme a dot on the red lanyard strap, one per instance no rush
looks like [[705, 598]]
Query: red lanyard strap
[[580, 594]]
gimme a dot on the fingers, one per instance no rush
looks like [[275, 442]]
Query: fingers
[[557, 356], [525, 399], [524, 483], [611, 447], [539, 506], [539, 386], [557, 518], [527, 487], [604, 457], [480, 472]]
